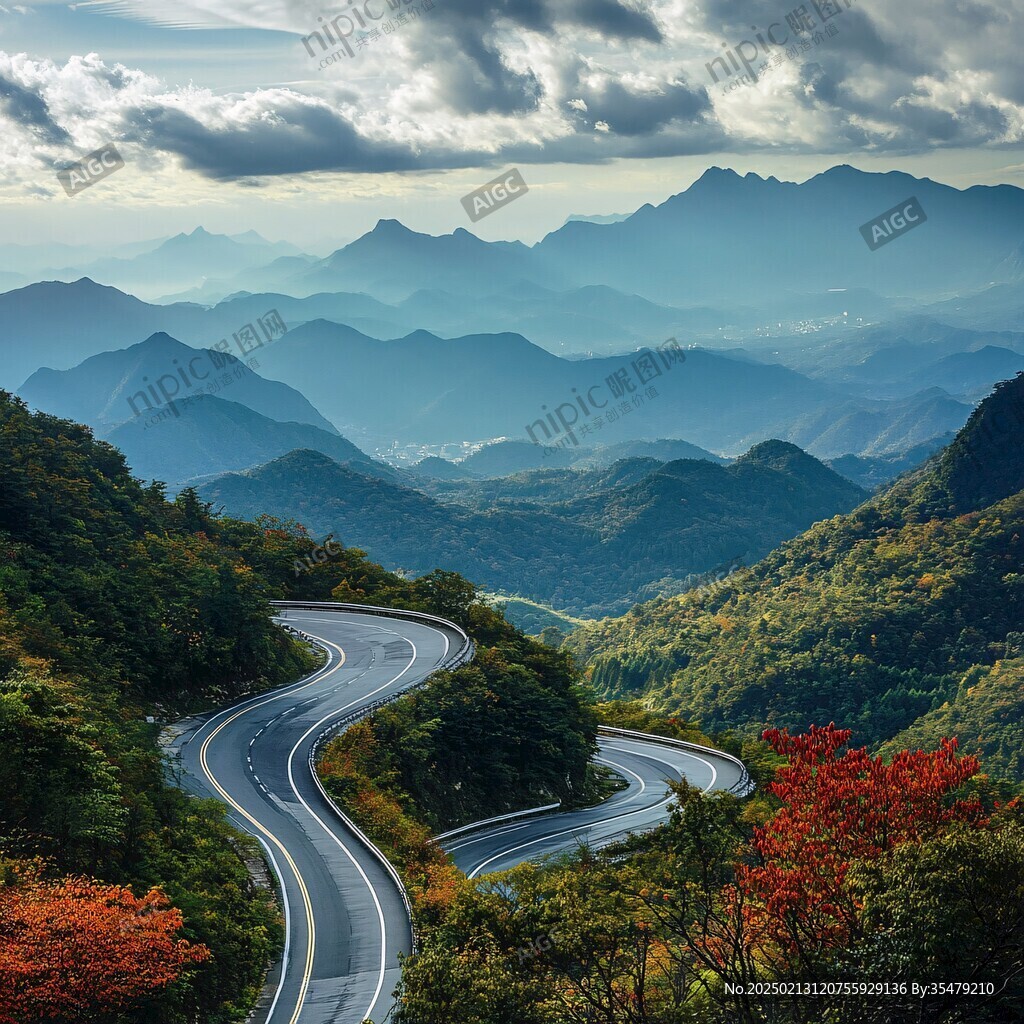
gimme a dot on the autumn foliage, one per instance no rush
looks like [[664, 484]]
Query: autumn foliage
[[346, 766], [81, 951], [838, 809]]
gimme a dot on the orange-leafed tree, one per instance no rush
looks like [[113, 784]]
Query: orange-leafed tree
[[80, 951], [838, 809]]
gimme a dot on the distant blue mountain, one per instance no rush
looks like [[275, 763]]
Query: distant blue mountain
[[425, 389], [391, 262], [726, 240], [116, 387], [212, 436], [183, 261], [746, 238]]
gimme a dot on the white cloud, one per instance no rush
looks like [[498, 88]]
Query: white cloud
[[477, 80]]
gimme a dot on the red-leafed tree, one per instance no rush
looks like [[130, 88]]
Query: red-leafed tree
[[81, 951], [838, 809]]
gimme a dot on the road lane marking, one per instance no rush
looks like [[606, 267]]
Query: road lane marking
[[504, 830], [684, 753], [590, 825], [291, 779], [323, 825], [311, 925], [251, 705]]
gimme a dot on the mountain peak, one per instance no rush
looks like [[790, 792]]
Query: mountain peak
[[775, 451], [789, 458], [389, 227], [249, 237], [161, 340], [718, 176]]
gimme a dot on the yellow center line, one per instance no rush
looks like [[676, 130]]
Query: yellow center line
[[311, 927]]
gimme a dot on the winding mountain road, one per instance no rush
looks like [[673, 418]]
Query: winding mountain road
[[645, 764], [346, 912]]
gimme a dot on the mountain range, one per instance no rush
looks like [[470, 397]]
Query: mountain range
[[136, 383], [404, 342], [503, 458], [432, 390], [212, 436], [899, 620], [184, 261], [590, 542], [728, 240], [901, 357]]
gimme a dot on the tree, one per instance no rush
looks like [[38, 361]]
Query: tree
[[838, 809], [61, 795], [77, 951], [446, 594], [949, 908]]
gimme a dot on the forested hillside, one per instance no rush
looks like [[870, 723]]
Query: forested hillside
[[114, 603], [871, 619], [588, 542], [513, 729], [824, 888], [117, 606]]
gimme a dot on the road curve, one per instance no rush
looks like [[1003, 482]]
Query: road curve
[[647, 767], [345, 911], [346, 919]]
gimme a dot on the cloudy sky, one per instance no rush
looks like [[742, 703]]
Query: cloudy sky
[[231, 114]]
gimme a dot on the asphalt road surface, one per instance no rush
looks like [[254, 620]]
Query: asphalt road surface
[[646, 766], [346, 918]]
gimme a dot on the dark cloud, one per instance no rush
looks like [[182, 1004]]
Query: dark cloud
[[459, 46], [606, 83], [632, 113], [299, 137], [29, 109], [612, 19], [295, 137], [615, 21], [474, 79]]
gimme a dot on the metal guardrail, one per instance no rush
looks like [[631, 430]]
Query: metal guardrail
[[461, 656], [744, 787], [391, 613], [515, 815]]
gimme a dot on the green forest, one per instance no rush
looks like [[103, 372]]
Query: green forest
[[874, 848], [883, 620], [120, 610], [588, 543], [845, 867], [732, 907]]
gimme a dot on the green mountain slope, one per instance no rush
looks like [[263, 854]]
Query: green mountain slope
[[118, 607], [591, 543], [870, 619], [986, 714]]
